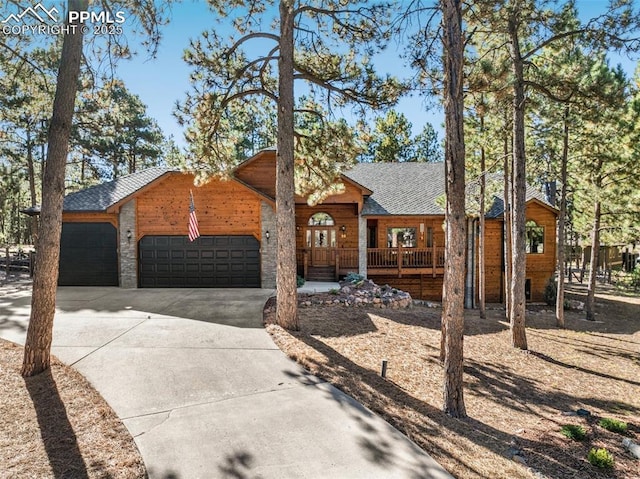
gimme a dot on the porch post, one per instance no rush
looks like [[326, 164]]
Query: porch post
[[268, 262], [362, 245], [128, 245]]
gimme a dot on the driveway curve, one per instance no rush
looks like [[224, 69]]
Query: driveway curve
[[205, 392]]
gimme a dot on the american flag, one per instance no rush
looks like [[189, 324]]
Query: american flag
[[194, 231]]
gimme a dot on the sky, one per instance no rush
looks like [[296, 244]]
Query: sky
[[162, 81]]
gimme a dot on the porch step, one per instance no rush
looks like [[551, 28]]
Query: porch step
[[321, 273]]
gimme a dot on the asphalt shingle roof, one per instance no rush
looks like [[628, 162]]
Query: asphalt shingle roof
[[400, 188], [413, 189], [101, 197]]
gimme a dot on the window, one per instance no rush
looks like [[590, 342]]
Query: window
[[534, 238], [321, 219], [405, 237]]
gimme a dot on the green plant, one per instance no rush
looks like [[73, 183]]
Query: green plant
[[600, 458], [575, 432], [334, 291], [613, 425], [354, 277], [300, 281], [551, 292]]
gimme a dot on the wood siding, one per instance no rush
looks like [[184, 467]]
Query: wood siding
[[342, 215], [90, 217], [541, 267], [260, 173], [493, 260], [418, 286], [222, 208]]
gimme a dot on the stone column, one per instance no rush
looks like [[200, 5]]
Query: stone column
[[128, 254], [362, 245], [268, 248]]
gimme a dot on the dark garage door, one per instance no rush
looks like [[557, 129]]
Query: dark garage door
[[88, 255], [207, 262]]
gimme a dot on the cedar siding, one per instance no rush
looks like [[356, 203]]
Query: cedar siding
[[541, 266], [222, 208]]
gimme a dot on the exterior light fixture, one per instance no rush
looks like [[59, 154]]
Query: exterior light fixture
[[267, 235], [343, 231], [128, 236]]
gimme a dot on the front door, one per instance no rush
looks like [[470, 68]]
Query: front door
[[321, 240]]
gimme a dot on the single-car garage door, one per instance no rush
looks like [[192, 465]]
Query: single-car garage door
[[88, 255], [207, 262]]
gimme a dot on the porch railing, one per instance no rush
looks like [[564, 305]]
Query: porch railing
[[380, 260], [407, 260]]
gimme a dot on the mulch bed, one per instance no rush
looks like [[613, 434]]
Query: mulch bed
[[516, 401], [55, 425]]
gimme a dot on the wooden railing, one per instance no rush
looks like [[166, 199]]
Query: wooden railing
[[381, 260], [347, 260], [407, 260]]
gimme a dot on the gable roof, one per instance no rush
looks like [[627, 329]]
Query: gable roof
[[413, 189], [102, 196], [400, 188]]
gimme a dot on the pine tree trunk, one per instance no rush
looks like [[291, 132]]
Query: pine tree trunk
[[37, 350], [454, 275], [31, 171], [287, 294], [507, 226], [481, 248], [561, 222], [590, 307], [518, 204]]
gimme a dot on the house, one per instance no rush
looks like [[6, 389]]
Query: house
[[386, 224]]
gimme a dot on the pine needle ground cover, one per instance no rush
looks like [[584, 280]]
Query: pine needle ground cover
[[517, 402], [56, 425]]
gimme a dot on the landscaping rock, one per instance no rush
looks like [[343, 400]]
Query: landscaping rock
[[363, 293], [583, 412], [632, 447], [575, 305]]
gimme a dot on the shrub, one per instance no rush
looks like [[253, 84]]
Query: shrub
[[572, 431], [354, 277], [600, 458], [613, 425], [334, 291], [300, 281], [551, 292]]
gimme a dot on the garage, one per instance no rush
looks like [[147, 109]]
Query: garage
[[207, 262], [88, 255]]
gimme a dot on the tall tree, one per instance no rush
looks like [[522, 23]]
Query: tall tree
[[113, 131], [37, 348], [427, 145], [527, 27], [455, 217], [391, 139], [324, 44], [37, 353]]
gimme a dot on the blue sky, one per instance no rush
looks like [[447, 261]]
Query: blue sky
[[162, 81]]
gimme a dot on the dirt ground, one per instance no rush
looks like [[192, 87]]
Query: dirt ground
[[55, 425], [516, 401]]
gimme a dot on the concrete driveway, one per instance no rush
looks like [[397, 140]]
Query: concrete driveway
[[206, 393]]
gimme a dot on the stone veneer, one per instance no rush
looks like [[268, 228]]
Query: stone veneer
[[362, 245], [268, 249], [128, 247]]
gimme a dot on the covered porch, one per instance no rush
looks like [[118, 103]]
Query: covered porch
[[397, 261]]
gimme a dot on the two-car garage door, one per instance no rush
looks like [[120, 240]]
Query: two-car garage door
[[89, 257], [207, 262]]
